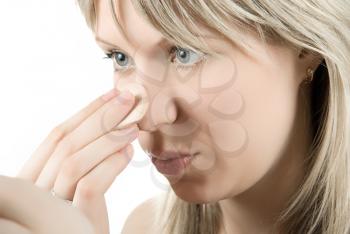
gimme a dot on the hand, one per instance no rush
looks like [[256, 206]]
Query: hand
[[81, 157], [26, 209]]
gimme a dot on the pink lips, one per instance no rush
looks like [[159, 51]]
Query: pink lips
[[168, 154], [171, 162]]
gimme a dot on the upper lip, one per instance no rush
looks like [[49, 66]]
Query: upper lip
[[168, 154]]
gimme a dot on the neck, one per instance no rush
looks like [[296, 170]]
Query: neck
[[256, 209]]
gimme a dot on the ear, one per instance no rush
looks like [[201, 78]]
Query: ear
[[308, 59]]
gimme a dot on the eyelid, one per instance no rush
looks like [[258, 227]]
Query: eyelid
[[172, 50], [202, 56], [110, 53]]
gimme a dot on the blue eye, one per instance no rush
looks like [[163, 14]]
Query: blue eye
[[120, 60], [185, 56]]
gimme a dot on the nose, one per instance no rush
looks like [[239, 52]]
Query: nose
[[150, 73], [169, 110], [153, 107], [162, 111], [163, 91]]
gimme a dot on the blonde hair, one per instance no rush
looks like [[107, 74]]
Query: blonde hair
[[321, 204]]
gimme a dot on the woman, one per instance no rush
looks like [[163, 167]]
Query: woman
[[258, 109]]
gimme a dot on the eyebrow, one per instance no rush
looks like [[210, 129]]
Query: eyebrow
[[106, 42], [163, 42]]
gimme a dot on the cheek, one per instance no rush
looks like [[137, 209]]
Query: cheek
[[268, 117], [248, 123], [270, 106], [222, 104]]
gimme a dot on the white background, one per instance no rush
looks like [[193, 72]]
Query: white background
[[51, 68]]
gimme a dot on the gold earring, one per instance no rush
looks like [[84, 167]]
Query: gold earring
[[309, 75], [303, 53]]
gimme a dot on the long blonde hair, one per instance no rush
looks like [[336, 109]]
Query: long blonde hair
[[321, 204]]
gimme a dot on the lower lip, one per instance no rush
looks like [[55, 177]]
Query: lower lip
[[172, 166]]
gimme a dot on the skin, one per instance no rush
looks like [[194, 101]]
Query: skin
[[250, 162], [26, 209], [242, 114], [79, 160]]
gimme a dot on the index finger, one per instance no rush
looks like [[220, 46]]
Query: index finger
[[70, 124], [38, 159]]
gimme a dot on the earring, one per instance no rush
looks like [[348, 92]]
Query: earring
[[303, 53], [309, 75]]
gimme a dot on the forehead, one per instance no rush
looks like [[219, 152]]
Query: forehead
[[134, 30]]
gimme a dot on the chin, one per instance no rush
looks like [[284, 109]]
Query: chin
[[194, 194]]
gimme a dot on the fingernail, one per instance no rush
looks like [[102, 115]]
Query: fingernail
[[126, 94], [134, 132], [110, 94], [129, 150], [125, 98], [125, 135], [130, 132]]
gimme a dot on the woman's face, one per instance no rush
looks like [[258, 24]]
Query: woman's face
[[235, 111]]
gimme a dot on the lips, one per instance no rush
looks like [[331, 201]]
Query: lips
[[168, 154], [171, 162]]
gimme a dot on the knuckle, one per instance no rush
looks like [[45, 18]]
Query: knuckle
[[66, 145], [86, 190], [58, 132], [69, 170]]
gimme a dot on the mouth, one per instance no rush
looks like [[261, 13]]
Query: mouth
[[171, 162], [168, 155]]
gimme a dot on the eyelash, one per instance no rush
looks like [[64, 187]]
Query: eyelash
[[171, 52]]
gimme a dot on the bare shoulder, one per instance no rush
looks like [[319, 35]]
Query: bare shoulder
[[142, 217]]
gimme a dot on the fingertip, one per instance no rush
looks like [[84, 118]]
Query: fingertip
[[110, 94], [129, 150]]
